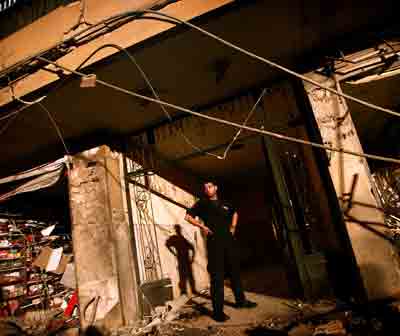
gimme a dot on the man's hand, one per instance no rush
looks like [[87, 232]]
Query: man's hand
[[195, 222], [235, 218], [173, 252], [207, 231]]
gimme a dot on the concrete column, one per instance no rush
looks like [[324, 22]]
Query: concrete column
[[101, 239], [376, 257]]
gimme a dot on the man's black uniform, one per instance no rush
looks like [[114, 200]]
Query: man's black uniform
[[217, 216]]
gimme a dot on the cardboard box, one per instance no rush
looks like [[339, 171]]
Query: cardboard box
[[52, 260]]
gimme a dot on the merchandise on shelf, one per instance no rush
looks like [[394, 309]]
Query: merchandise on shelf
[[24, 283]]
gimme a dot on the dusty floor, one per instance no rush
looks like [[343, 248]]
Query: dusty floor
[[277, 316], [271, 311], [199, 308]]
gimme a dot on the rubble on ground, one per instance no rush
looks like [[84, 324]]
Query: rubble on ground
[[325, 318], [364, 320]]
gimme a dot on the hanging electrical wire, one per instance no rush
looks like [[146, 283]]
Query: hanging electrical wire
[[273, 64], [107, 24], [54, 123], [167, 114], [13, 113], [168, 18], [228, 148], [8, 123], [103, 26], [31, 103], [226, 122], [25, 102], [155, 15], [148, 83]]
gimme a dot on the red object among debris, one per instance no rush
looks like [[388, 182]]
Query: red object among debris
[[72, 303]]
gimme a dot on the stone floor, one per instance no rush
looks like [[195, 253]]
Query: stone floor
[[195, 316]]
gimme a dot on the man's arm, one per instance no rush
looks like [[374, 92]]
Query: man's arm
[[168, 244], [197, 223], [235, 218], [191, 248]]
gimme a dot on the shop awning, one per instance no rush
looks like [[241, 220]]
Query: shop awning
[[37, 178]]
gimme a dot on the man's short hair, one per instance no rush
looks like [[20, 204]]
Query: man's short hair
[[210, 180]]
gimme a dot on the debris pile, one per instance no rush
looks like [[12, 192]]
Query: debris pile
[[160, 317], [34, 283], [387, 193], [371, 319]]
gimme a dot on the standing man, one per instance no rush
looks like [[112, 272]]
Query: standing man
[[220, 220]]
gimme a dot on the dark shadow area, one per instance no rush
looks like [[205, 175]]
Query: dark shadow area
[[49, 204], [208, 297], [263, 268], [184, 252], [10, 329], [93, 331], [336, 267], [200, 308], [263, 331]]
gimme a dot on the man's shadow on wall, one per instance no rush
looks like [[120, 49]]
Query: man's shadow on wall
[[184, 252]]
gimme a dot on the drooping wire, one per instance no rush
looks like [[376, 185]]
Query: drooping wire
[[25, 102], [56, 127], [154, 15], [28, 104], [8, 123], [274, 64], [76, 37], [13, 113], [227, 149], [168, 115], [226, 122]]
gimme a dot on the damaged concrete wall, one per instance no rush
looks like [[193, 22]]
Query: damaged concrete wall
[[102, 247], [377, 259], [164, 215]]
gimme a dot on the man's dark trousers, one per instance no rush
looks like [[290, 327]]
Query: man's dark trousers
[[222, 256]]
